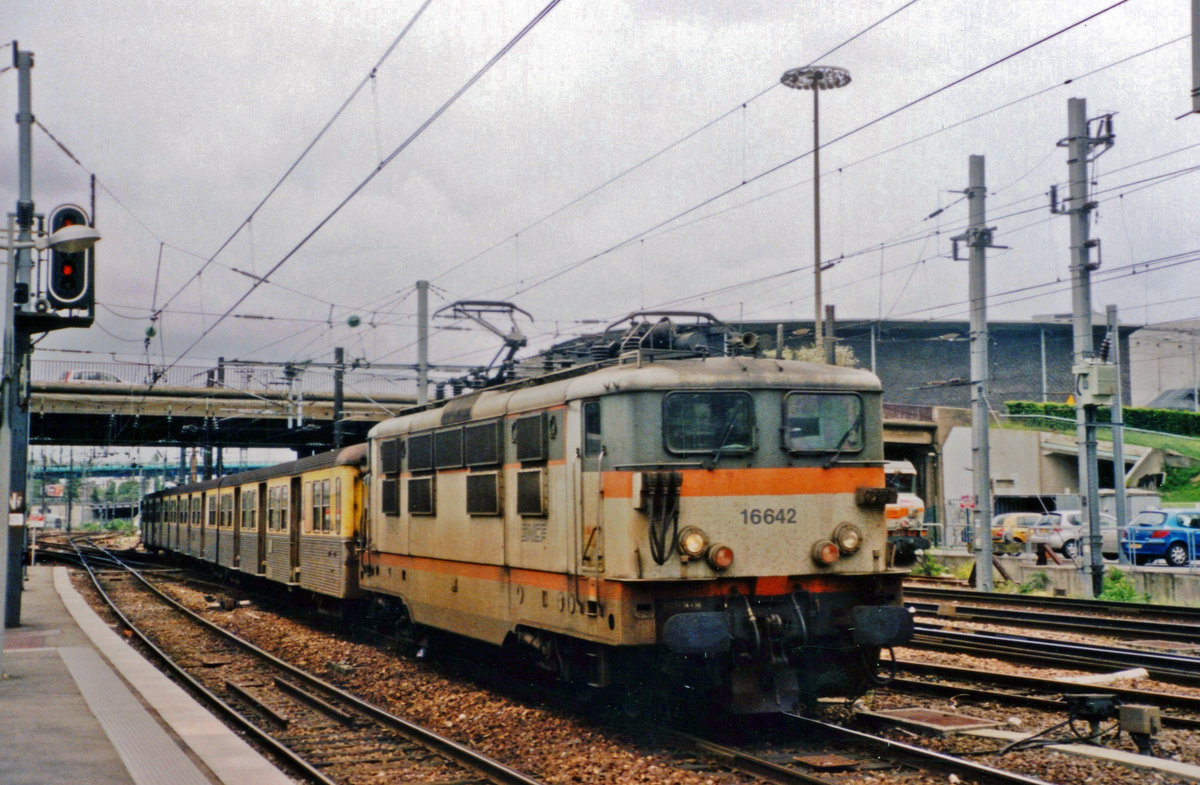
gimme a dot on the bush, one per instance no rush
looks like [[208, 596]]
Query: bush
[[1118, 588], [929, 567]]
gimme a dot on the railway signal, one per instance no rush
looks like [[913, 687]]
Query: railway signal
[[70, 280]]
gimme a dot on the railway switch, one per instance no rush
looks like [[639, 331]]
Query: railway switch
[[1091, 708]]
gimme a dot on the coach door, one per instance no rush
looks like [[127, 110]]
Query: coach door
[[260, 526], [590, 528], [295, 501]]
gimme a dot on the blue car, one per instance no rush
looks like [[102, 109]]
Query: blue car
[[1171, 535]]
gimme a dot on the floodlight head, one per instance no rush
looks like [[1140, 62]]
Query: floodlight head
[[72, 238], [816, 77]]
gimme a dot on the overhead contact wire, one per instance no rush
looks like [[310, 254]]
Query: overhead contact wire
[[778, 167], [382, 165], [354, 93], [691, 134]]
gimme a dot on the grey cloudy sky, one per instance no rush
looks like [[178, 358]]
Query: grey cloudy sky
[[188, 113]]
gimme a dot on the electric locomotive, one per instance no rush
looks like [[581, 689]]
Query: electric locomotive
[[671, 518]]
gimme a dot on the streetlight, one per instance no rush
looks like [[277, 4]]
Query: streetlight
[[816, 78]]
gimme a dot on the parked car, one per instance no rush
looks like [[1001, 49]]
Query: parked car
[[90, 377], [1066, 532], [1013, 526], [1171, 535]]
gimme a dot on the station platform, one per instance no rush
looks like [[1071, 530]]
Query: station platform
[[79, 704]]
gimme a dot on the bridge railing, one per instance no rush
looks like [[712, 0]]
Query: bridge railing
[[299, 379]]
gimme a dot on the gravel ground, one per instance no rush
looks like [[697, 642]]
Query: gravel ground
[[560, 747]]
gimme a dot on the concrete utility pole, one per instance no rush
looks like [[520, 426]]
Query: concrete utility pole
[[979, 238], [422, 342], [1118, 429], [339, 375], [1196, 55], [1079, 144]]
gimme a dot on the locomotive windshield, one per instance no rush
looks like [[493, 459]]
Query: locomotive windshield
[[708, 422], [822, 422]]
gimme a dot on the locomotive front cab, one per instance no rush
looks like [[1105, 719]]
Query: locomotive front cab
[[752, 519]]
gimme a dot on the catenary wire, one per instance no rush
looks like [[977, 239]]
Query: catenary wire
[[382, 165]]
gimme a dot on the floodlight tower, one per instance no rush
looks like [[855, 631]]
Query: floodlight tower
[[816, 78]]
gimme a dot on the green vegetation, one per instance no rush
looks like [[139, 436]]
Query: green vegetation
[[1118, 588], [123, 525], [1037, 581], [1182, 486], [929, 567]]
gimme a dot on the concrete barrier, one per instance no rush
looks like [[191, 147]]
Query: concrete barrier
[[1165, 585]]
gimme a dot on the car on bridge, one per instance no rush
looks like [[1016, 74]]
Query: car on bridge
[[91, 377]]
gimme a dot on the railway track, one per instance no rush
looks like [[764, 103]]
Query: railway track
[[277, 703], [1174, 668], [880, 751], [320, 732], [1066, 621], [1178, 613], [1015, 689]]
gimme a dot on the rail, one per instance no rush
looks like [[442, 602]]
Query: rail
[[493, 771]]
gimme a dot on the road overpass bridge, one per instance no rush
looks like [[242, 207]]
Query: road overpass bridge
[[137, 415]]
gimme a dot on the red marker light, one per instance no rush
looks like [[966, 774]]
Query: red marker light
[[67, 269]]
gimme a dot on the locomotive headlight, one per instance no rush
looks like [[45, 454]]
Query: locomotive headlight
[[848, 538], [720, 557], [825, 552], [692, 542]]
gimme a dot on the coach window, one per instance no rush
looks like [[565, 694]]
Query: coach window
[[822, 422], [591, 429], [249, 505], [323, 508], [708, 423]]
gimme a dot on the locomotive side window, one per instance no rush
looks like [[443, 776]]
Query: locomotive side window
[[529, 435], [421, 499], [708, 422], [481, 443], [822, 422], [483, 493], [391, 452], [420, 452], [448, 448], [389, 496], [591, 429]]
